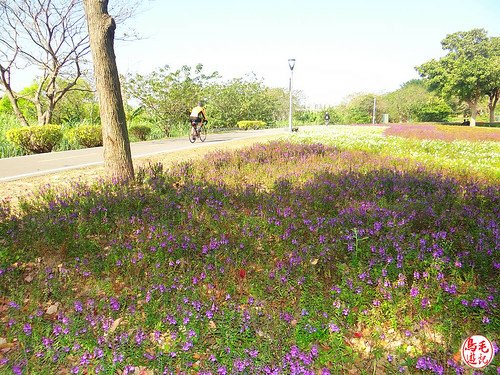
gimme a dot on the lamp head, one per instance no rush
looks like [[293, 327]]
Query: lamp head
[[291, 63]]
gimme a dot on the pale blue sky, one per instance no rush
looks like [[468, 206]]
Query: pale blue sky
[[341, 47]]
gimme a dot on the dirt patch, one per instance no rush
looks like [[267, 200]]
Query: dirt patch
[[13, 190]]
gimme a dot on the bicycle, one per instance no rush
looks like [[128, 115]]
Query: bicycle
[[200, 131]]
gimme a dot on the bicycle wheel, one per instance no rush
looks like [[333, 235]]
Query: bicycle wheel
[[203, 133], [192, 137]]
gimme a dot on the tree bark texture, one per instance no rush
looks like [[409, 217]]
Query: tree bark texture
[[117, 155], [492, 103], [473, 113]]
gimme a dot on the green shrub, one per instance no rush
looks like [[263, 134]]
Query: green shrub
[[36, 139], [86, 135], [245, 125], [140, 131], [435, 111]]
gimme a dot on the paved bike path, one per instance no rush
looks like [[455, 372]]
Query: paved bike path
[[35, 165]]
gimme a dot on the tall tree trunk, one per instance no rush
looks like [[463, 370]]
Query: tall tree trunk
[[37, 102], [492, 113], [494, 96], [117, 156], [473, 112], [17, 110]]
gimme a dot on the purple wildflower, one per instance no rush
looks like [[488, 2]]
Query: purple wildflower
[[187, 345], [140, 336], [117, 357], [114, 304], [27, 329], [47, 342]]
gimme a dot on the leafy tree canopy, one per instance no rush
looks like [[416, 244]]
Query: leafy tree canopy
[[468, 70]]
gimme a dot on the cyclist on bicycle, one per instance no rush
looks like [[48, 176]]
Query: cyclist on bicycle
[[198, 116]]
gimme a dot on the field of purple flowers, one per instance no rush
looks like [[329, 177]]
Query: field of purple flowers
[[280, 258], [443, 132]]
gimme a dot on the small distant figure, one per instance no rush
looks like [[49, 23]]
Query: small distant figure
[[296, 129], [327, 118], [466, 122], [198, 116]]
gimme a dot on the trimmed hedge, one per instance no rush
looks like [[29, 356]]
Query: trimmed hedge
[[140, 131], [36, 139], [86, 135], [245, 125]]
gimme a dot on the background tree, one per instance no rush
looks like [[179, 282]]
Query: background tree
[[168, 96], [78, 105], [414, 102], [25, 106], [493, 88], [465, 72], [436, 109], [335, 116], [281, 99], [404, 104], [357, 109], [47, 34], [101, 29], [242, 99]]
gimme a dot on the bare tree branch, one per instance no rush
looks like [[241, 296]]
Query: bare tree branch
[[49, 34]]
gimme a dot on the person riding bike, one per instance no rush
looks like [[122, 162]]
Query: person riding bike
[[327, 118], [198, 116]]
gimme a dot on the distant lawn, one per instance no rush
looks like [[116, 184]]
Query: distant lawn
[[362, 254], [443, 132], [455, 150]]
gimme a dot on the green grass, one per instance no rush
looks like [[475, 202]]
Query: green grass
[[462, 157], [360, 254], [6, 148]]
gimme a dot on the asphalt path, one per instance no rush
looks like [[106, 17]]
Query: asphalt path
[[36, 165]]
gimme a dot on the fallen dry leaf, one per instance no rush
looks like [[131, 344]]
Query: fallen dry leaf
[[7, 345], [52, 309], [115, 325], [196, 356], [143, 371]]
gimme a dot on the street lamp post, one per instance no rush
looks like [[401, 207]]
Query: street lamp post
[[291, 64]]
